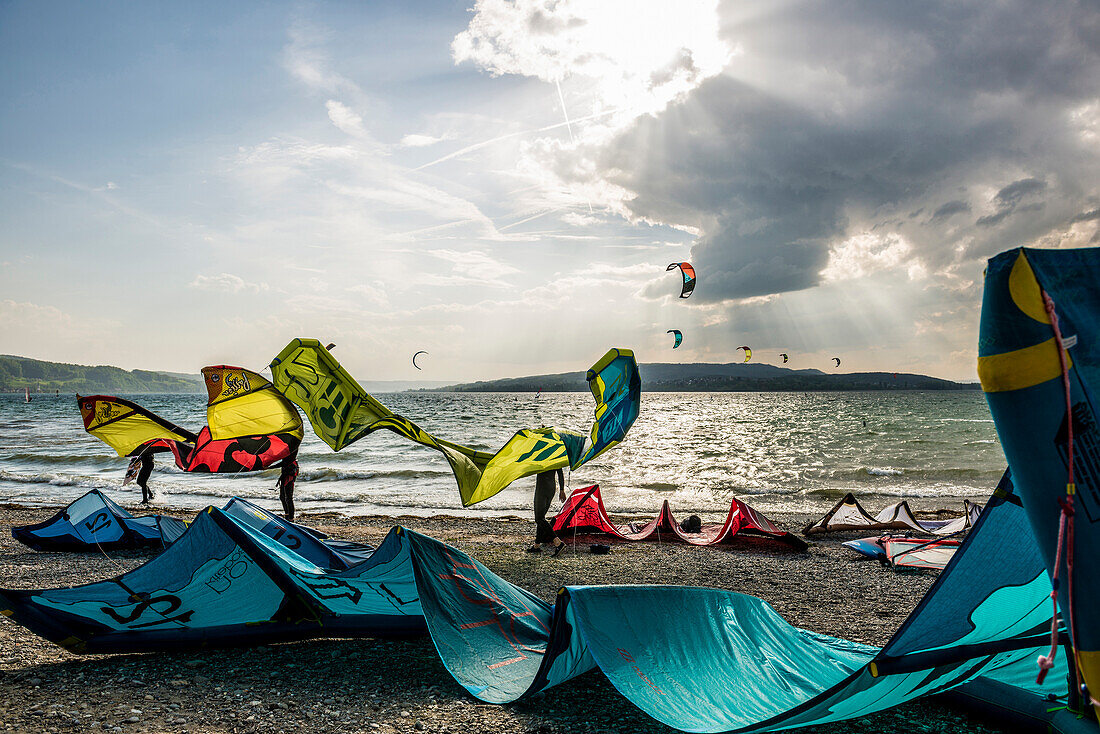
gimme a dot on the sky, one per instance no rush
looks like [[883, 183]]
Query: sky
[[503, 184]]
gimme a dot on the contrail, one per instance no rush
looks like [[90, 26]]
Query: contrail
[[477, 146], [564, 113]]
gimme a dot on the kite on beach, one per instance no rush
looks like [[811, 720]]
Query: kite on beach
[[689, 277], [341, 413]]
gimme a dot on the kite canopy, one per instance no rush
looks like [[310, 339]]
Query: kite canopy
[[906, 552], [723, 662], [243, 403], [784, 356], [126, 426], [414, 358], [251, 426], [1041, 376], [848, 514], [584, 514], [748, 352], [689, 277], [677, 337], [837, 360], [94, 522], [341, 413]]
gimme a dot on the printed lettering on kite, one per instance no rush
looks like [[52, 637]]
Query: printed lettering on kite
[[689, 277]]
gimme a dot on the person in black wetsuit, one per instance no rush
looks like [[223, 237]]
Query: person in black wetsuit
[[544, 495], [289, 473], [143, 465]]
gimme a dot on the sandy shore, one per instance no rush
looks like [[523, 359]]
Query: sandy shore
[[401, 686]]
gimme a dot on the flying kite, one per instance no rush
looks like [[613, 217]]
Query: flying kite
[[837, 360], [689, 277], [748, 352], [784, 356], [341, 413], [678, 335], [417, 355]]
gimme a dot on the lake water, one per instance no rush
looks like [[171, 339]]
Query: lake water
[[778, 451]]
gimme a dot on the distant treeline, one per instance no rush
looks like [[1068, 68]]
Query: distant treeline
[[733, 377], [17, 373]]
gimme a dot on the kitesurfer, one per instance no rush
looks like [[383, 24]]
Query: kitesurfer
[[544, 495], [144, 470], [289, 473]]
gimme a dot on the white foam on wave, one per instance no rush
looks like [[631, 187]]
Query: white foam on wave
[[884, 472]]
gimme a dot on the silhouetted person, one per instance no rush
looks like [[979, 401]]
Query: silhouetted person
[[544, 496], [140, 468], [289, 473]]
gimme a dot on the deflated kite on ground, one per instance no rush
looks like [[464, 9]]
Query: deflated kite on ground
[[722, 662], [341, 413], [584, 513], [95, 522], [848, 514]]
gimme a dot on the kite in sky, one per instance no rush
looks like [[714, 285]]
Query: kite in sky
[[784, 356], [689, 277], [417, 355], [677, 335], [748, 352], [837, 360]]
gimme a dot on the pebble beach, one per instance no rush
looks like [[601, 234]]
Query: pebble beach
[[384, 686]]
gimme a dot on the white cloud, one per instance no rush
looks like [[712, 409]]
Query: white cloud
[[226, 283], [421, 141], [867, 253], [345, 119]]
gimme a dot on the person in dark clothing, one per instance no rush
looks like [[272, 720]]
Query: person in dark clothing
[[142, 480], [544, 495], [289, 473]]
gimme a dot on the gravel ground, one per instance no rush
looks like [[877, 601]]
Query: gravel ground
[[382, 686]]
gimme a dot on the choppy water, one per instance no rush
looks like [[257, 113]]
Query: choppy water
[[778, 451]]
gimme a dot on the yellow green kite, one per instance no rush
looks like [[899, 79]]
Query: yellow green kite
[[341, 413]]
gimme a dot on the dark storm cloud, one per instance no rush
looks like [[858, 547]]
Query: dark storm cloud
[[950, 209], [843, 117]]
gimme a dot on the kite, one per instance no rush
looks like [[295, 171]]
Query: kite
[[94, 522], [784, 356], [724, 661], [848, 514], [341, 413], [417, 355], [1039, 367], [677, 336], [837, 360], [250, 426], [584, 514], [748, 352], [689, 277]]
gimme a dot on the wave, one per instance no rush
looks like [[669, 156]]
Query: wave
[[106, 459], [329, 474], [884, 472], [60, 480]]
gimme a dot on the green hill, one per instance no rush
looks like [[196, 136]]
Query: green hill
[[17, 373], [730, 377]]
